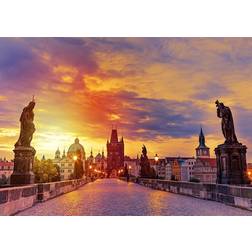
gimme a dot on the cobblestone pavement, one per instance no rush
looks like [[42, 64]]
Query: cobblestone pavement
[[115, 197]]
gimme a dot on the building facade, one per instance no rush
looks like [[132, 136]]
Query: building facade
[[187, 168], [164, 170], [66, 162], [205, 168], [133, 166], [115, 154], [6, 169], [177, 168]]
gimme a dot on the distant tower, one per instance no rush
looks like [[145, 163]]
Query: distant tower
[[64, 154], [202, 151], [102, 160], [57, 154], [90, 159], [115, 152]]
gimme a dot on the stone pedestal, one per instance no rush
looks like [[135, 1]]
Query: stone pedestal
[[231, 164], [23, 165]]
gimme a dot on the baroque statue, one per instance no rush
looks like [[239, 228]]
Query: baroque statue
[[27, 127], [146, 170], [227, 123]]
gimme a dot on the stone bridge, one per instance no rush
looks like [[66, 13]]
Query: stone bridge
[[115, 197]]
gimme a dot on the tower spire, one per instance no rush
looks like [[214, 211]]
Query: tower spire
[[201, 138], [202, 150]]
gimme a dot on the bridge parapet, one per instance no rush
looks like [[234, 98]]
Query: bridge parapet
[[47, 191], [16, 199], [239, 196]]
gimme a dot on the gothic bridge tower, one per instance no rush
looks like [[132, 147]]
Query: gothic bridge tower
[[115, 154]]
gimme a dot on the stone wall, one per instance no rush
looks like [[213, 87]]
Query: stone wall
[[16, 199], [239, 196], [47, 191]]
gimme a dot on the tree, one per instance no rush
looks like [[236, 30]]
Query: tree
[[45, 171], [78, 169]]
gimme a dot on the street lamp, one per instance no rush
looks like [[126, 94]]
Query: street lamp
[[249, 174], [156, 158], [129, 169]]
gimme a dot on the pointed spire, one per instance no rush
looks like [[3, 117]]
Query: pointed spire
[[64, 153], [201, 138], [114, 136], [57, 151], [57, 154]]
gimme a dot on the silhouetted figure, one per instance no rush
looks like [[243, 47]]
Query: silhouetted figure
[[27, 127], [126, 172], [227, 123], [146, 170]]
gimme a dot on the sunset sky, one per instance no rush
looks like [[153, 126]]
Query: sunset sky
[[158, 91]]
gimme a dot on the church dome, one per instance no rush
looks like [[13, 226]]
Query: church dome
[[76, 149]]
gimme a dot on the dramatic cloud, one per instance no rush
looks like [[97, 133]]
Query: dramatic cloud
[[157, 91]]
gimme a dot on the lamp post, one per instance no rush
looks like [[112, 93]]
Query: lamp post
[[249, 175], [75, 166], [90, 171], [156, 158]]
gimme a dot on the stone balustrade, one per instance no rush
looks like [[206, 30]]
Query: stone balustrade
[[239, 196], [16, 199], [47, 191]]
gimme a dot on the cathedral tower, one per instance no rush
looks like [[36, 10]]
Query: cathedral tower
[[115, 153], [202, 151]]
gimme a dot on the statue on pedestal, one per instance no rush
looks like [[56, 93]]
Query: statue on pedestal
[[27, 127], [24, 153], [230, 156], [146, 170], [227, 123]]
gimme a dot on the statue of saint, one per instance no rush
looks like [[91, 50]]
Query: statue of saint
[[227, 123], [146, 170], [144, 151], [27, 127]]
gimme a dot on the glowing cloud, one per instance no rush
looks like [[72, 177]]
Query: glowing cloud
[[158, 91]]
